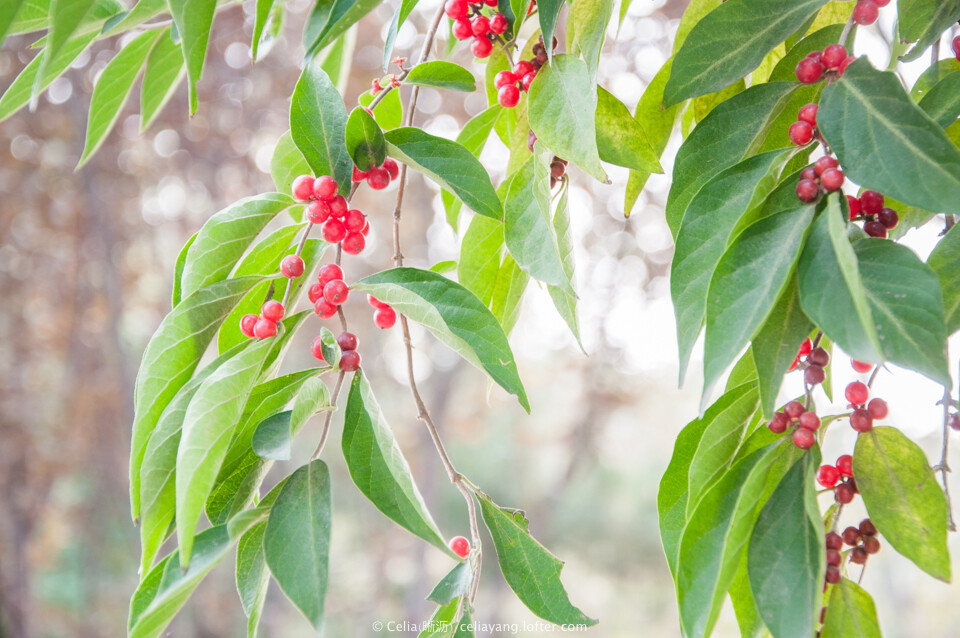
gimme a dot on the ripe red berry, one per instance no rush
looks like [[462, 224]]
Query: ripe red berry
[[354, 243], [336, 292], [843, 494], [809, 173], [956, 47], [861, 366], [846, 63], [854, 205], [832, 179], [878, 408], [347, 341], [810, 421], [528, 80], [778, 424], [808, 114], [508, 96], [334, 231], [291, 266], [462, 29], [809, 70], [324, 187], [867, 528], [366, 228], [378, 178], [858, 555], [871, 202], [350, 361], [801, 133], [393, 170], [264, 328], [481, 26], [955, 422], [385, 318], [493, 3], [504, 78], [871, 545], [861, 421], [303, 187], [317, 348], [358, 175], [272, 310], [456, 9], [808, 190], [833, 574], [315, 292], [803, 438], [875, 229], [866, 12], [857, 393], [247, 322], [794, 409], [481, 47], [824, 163], [814, 375], [833, 56], [834, 557], [318, 211], [805, 348], [460, 546], [882, 3], [323, 309], [889, 218], [376, 303], [498, 23], [354, 220], [521, 68], [328, 273], [815, 55], [845, 465], [828, 475]]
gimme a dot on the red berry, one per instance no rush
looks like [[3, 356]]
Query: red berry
[[809, 173], [354, 220], [328, 273], [498, 23], [803, 438], [854, 205], [866, 12], [358, 175], [867, 528], [845, 464], [861, 421], [857, 393], [491, 3], [527, 80], [833, 574], [521, 68], [808, 190], [315, 292], [481, 47], [481, 26], [794, 409], [336, 292], [801, 133], [871, 202], [462, 29], [317, 348], [889, 218], [823, 164], [376, 303], [810, 421], [391, 167], [833, 56], [871, 545], [347, 341], [456, 9], [851, 536], [778, 424], [834, 541], [828, 475], [861, 366], [272, 310], [264, 328], [819, 356], [508, 96], [460, 546], [955, 422], [318, 211], [324, 187], [834, 557], [878, 408], [366, 228], [334, 231], [354, 243], [247, 322], [843, 494], [504, 78], [323, 309], [846, 63], [378, 178], [808, 114], [832, 179], [303, 187], [350, 361], [815, 55], [882, 3], [956, 47], [858, 555], [291, 266], [809, 70], [814, 375], [875, 229], [384, 318], [805, 348], [338, 206]]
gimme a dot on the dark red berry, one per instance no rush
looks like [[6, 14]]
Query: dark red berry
[[323, 309], [889, 218], [318, 211], [385, 318], [481, 26], [809, 70], [378, 178], [871, 202], [861, 366], [833, 575], [875, 229], [508, 96], [303, 187], [843, 494], [845, 465], [808, 190], [481, 47], [354, 243], [317, 348], [324, 187], [834, 541], [824, 163], [350, 361], [456, 9], [858, 555], [851, 536], [861, 421], [328, 273], [857, 393], [336, 292], [334, 231], [247, 322], [866, 12], [810, 421], [852, 482], [272, 310], [264, 328], [867, 528], [814, 374], [955, 422], [833, 56], [871, 545], [832, 179], [828, 476], [557, 169], [460, 546], [956, 47], [354, 220], [854, 205], [338, 206], [504, 78], [801, 133], [778, 424], [878, 408], [808, 114], [834, 557], [498, 23], [291, 266], [819, 356], [462, 29], [347, 341], [804, 438], [794, 409]]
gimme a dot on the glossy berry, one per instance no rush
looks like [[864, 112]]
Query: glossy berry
[[871, 545], [851, 536], [460, 546], [291, 266], [866, 12], [832, 179], [809, 173], [854, 205], [878, 408], [318, 211], [834, 557], [843, 494], [323, 309], [833, 574], [858, 555], [247, 322], [508, 96], [889, 218], [328, 273], [804, 350], [846, 63], [808, 190], [808, 114], [378, 178], [867, 528], [272, 310], [376, 303], [521, 68], [393, 170], [456, 9], [347, 341], [871, 202], [350, 361], [354, 243], [358, 175], [794, 409], [324, 187], [857, 393], [385, 318], [834, 541], [823, 164], [354, 220], [315, 292], [809, 70], [264, 328], [861, 420], [527, 81], [481, 47], [804, 438], [833, 56], [462, 29], [956, 47], [801, 133], [334, 231], [875, 229], [481, 26], [845, 465], [817, 56], [778, 424], [317, 348], [303, 187], [810, 421], [338, 207], [861, 366], [336, 292], [814, 375], [504, 78], [819, 356], [498, 23], [828, 475]]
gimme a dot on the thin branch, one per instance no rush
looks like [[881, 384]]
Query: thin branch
[[873, 376], [943, 467], [329, 416], [846, 31]]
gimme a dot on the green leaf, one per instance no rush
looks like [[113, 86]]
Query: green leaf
[[707, 226], [336, 59], [887, 143], [449, 164], [330, 19], [273, 437], [590, 20], [193, 19], [453, 585], [170, 358], [945, 262], [850, 613], [454, 315], [532, 572], [480, 255], [399, 17], [440, 624], [903, 498], [620, 138], [942, 102], [161, 76], [296, 543], [364, 140], [562, 106], [8, 14], [548, 11], [440, 74], [785, 70], [744, 604], [563, 300], [141, 12], [746, 284], [263, 10], [389, 112], [776, 344], [785, 559], [473, 136], [732, 131], [287, 163], [252, 575], [378, 467], [731, 41], [934, 73], [318, 122], [65, 17], [508, 293], [226, 236], [924, 21], [177, 295]]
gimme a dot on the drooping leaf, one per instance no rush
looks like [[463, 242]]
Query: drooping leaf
[[261, 16], [364, 140], [454, 315], [453, 585], [850, 613], [177, 295], [480, 255], [399, 17], [924, 21], [65, 18], [336, 59], [620, 138], [508, 293], [161, 76], [252, 576], [273, 437], [590, 20], [318, 123], [548, 11], [532, 572], [473, 136], [194, 19], [330, 19], [945, 262], [902, 496], [563, 300], [440, 74]]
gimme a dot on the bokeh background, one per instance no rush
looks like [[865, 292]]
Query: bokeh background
[[86, 261]]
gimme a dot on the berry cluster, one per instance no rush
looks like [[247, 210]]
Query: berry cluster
[[264, 325], [326, 206], [329, 292], [864, 413], [813, 365], [839, 478], [378, 177], [806, 421], [825, 173], [804, 129], [510, 83], [867, 11], [459, 546], [869, 207], [833, 59], [469, 22]]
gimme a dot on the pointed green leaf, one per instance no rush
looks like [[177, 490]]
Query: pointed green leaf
[[508, 292], [548, 11], [330, 19], [389, 111], [318, 123], [261, 16], [177, 295], [161, 76], [850, 613], [473, 136], [480, 257], [193, 19], [924, 21], [453, 585], [620, 138], [441, 624], [273, 438], [563, 300], [252, 575], [399, 17], [364, 140], [440, 74], [590, 19], [942, 102], [8, 13], [65, 17], [945, 262]]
